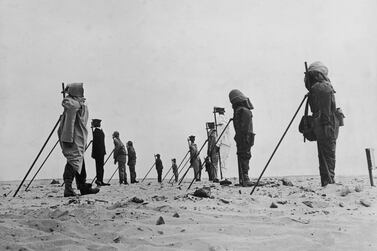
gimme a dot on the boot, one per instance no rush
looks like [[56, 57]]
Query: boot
[[68, 190], [87, 189], [245, 178]]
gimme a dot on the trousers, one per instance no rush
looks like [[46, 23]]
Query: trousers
[[99, 168]]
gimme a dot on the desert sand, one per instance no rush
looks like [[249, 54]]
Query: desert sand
[[297, 216]]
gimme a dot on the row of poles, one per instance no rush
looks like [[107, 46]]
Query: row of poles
[[180, 167]]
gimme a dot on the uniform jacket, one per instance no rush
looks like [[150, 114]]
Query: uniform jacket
[[174, 167], [193, 152], [98, 148], [212, 148], [131, 155], [72, 130], [243, 125], [159, 166], [120, 153], [323, 106]]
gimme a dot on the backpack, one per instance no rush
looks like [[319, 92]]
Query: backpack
[[306, 126]]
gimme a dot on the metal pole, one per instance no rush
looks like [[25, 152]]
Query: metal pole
[[183, 167], [148, 171], [277, 146], [179, 166], [166, 174], [211, 149], [42, 165], [113, 175], [196, 155], [35, 160], [104, 165]]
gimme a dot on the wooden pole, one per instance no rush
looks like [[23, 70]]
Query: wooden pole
[[371, 164], [42, 165]]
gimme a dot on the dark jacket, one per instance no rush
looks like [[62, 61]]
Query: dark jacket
[[159, 166], [120, 153], [131, 155], [323, 106], [243, 125], [98, 148]]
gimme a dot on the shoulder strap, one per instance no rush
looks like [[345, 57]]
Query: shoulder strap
[[307, 105]]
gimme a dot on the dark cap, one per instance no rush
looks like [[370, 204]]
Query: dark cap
[[96, 122]]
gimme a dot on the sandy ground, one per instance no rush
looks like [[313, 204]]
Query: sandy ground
[[307, 217]]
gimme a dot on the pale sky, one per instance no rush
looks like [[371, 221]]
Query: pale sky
[[154, 70]]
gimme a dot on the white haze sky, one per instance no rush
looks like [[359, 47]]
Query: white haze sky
[[153, 70]]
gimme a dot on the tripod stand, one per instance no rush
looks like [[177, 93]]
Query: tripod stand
[[44, 145]]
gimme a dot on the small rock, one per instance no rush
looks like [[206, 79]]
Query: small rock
[[140, 229], [116, 239], [224, 201], [159, 198], [137, 200], [160, 232], [239, 191], [176, 215], [54, 182], [325, 212], [204, 192], [365, 203], [308, 203], [287, 182], [358, 188], [160, 221], [341, 204], [282, 202], [273, 205], [225, 182], [345, 191], [183, 230]]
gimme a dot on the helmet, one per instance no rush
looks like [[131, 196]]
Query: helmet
[[236, 96], [76, 90], [116, 134]]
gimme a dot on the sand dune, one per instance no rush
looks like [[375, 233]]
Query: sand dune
[[307, 217]]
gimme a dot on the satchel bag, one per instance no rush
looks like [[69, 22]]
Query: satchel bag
[[306, 126]]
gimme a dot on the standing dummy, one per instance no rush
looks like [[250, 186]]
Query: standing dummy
[[159, 168], [131, 161], [243, 126], [175, 169], [224, 142], [98, 150], [213, 153], [194, 158], [73, 135], [120, 157], [327, 119]]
